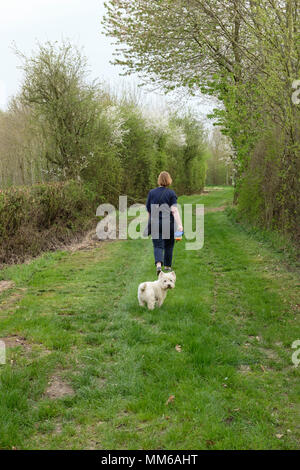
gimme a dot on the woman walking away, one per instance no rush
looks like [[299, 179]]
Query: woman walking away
[[162, 209]]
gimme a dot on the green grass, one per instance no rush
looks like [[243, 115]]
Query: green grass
[[233, 312]]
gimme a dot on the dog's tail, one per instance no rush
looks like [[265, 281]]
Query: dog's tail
[[143, 287]]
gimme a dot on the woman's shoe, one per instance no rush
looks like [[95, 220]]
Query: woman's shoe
[[168, 270], [158, 270]]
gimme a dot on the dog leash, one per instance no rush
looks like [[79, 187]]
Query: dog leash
[[178, 237]]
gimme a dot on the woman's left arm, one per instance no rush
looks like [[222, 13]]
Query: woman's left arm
[[175, 212]]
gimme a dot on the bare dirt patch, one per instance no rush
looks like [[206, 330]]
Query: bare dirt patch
[[215, 209], [58, 388], [271, 354], [58, 428], [207, 210], [210, 189], [244, 369], [4, 285], [14, 341], [89, 242], [10, 302], [100, 382]]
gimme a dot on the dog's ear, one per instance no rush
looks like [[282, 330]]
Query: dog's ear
[[173, 274]]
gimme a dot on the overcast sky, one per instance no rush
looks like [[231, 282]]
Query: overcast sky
[[23, 22]]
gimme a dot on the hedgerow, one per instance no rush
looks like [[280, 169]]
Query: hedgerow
[[43, 217]]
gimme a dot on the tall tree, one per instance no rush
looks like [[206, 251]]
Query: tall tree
[[247, 54], [62, 102]]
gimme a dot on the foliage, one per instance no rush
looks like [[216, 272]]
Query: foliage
[[63, 104], [245, 53], [220, 169], [61, 127], [73, 144], [188, 145], [42, 217]]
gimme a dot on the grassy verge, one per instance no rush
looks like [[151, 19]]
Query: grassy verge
[[91, 369], [279, 243]]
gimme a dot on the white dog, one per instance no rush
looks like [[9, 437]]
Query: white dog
[[153, 293]]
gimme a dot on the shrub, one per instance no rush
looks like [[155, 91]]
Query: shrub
[[42, 217]]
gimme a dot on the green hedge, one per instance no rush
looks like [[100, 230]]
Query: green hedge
[[42, 217]]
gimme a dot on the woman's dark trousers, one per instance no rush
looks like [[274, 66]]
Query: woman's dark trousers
[[163, 250]]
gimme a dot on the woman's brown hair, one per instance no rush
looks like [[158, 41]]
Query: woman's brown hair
[[164, 179]]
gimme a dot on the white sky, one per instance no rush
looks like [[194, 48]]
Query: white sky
[[23, 22]]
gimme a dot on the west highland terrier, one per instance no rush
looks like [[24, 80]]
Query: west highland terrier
[[154, 293]]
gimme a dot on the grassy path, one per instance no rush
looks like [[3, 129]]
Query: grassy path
[[88, 368]]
